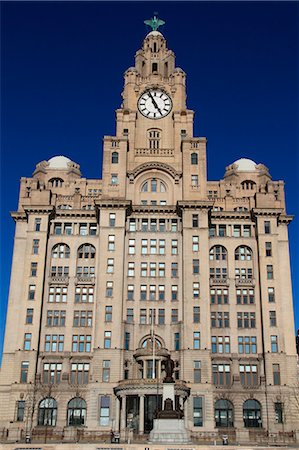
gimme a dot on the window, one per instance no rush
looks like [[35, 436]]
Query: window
[[247, 344], [109, 289], [55, 318], [195, 243], [174, 225], [219, 296], [268, 248], [110, 265], [243, 253], [161, 316], [24, 371], [27, 341], [174, 270], [197, 412], [237, 231], [272, 317], [278, 408], [248, 375], [174, 315], [47, 412], [83, 230], [127, 341], [218, 273], [106, 371], [174, 247], [246, 231], [224, 413], [274, 344], [54, 342], [245, 296], [220, 344], [195, 221], [92, 229], [212, 231], [84, 294], [271, 295], [154, 139], [153, 225], [218, 253], [112, 220], [152, 292], [20, 410], [142, 316], [76, 412], [161, 269], [219, 319], [37, 223], [243, 273], [161, 292], [132, 225], [114, 158], [57, 294], [194, 180], [131, 269], [174, 292], [104, 410], [246, 320], [81, 343], [114, 179], [162, 247], [276, 374], [59, 271], [153, 246], [177, 341], [130, 292], [197, 371], [153, 269], [79, 373], [195, 265], [269, 272], [130, 315], [82, 319], [57, 228], [107, 339], [86, 251], [29, 316], [52, 373], [35, 246], [221, 374], [195, 290], [252, 414], [143, 292], [61, 251], [194, 158], [68, 229], [196, 314], [31, 292], [33, 269], [267, 227], [108, 313], [111, 242], [196, 340]]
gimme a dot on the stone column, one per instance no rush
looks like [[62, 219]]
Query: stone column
[[123, 423], [141, 414], [186, 413], [117, 407]]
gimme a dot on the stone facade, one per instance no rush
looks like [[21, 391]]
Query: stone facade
[[111, 276]]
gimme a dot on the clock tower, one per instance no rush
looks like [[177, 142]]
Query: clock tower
[[154, 129]]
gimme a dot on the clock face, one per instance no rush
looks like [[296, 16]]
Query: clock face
[[154, 104]]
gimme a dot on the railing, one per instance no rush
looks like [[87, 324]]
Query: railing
[[245, 281], [217, 281], [59, 279], [85, 279], [154, 152]]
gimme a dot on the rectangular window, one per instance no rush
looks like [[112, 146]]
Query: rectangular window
[[57, 294], [161, 292], [132, 225], [267, 227], [112, 217], [174, 292], [221, 374], [144, 250], [27, 341], [131, 246], [93, 229], [109, 289], [246, 231], [245, 296], [161, 246], [276, 374], [56, 318], [174, 270], [174, 315], [106, 371], [220, 344], [174, 246], [274, 344], [111, 242], [222, 230], [177, 341], [79, 373], [114, 179], [33, 269], [195, 265], [174, 225], [161, 270], [68, 229], [219, 296], [58, 228], [82, 319], [152, 292], [197, 412], [130, 292], [143, 292], [107, 339], [196, 340], [52, 373], [269, 272], [153, 246], [24, 371], [272, 317], [268, 248], [248, 375], [271, 295], [37, 223], [108, 313], [29, 316], [195, 221], [246, 320], [104, 410], [131, 269], [130, 315], [195, 243], [144, 224], [110, 265], [247, 344], [62, 271], [81, 343], [237, 231], [278, 408], [83, 294], [194, 180], [153, 225], [197, 371], [161, 316], [83, 230], [143, 316], [152, 272], [127, 341], [196, 314], [20, 410], [195, 290], [162, 225]]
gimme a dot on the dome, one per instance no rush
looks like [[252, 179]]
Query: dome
[[245, 165], [59, 162], [154, 33]]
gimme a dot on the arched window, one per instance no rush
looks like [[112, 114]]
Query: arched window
[[241, 208], [252, 414], [154, 137], [47, 412], [56, 182], [86, 251], [114, 158], [64, 207], [61, 251], [224, 413], [148, 343], [76, 412], [248, 184], [153, 185], [243, 253], [218, 253], [194, 158]]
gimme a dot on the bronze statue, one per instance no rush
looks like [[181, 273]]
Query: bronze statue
[[169, 368]]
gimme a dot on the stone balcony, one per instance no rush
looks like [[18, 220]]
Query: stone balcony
[[154, 152]]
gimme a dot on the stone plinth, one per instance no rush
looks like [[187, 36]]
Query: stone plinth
[[169, 430], [168, 392]]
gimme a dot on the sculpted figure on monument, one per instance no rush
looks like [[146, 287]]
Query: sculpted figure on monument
[[169, 367]]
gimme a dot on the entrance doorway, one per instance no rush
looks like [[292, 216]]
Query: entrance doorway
[[152, 404]]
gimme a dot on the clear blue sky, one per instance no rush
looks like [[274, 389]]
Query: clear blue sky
[[62, 78]]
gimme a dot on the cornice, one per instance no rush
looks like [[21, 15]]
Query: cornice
[[18, 216], [158, 209], [66, 213], [267, 211], [113, 203], [39, 209], [195, 204], [284, 218], [217, 215]]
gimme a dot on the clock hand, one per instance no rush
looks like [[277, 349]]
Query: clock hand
[[154, 102]]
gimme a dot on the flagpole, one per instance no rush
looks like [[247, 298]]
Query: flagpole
[[153, 341]]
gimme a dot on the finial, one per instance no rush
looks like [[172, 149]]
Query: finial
[[154, 22]]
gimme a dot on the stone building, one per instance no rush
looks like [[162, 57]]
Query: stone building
[[111, 276]]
